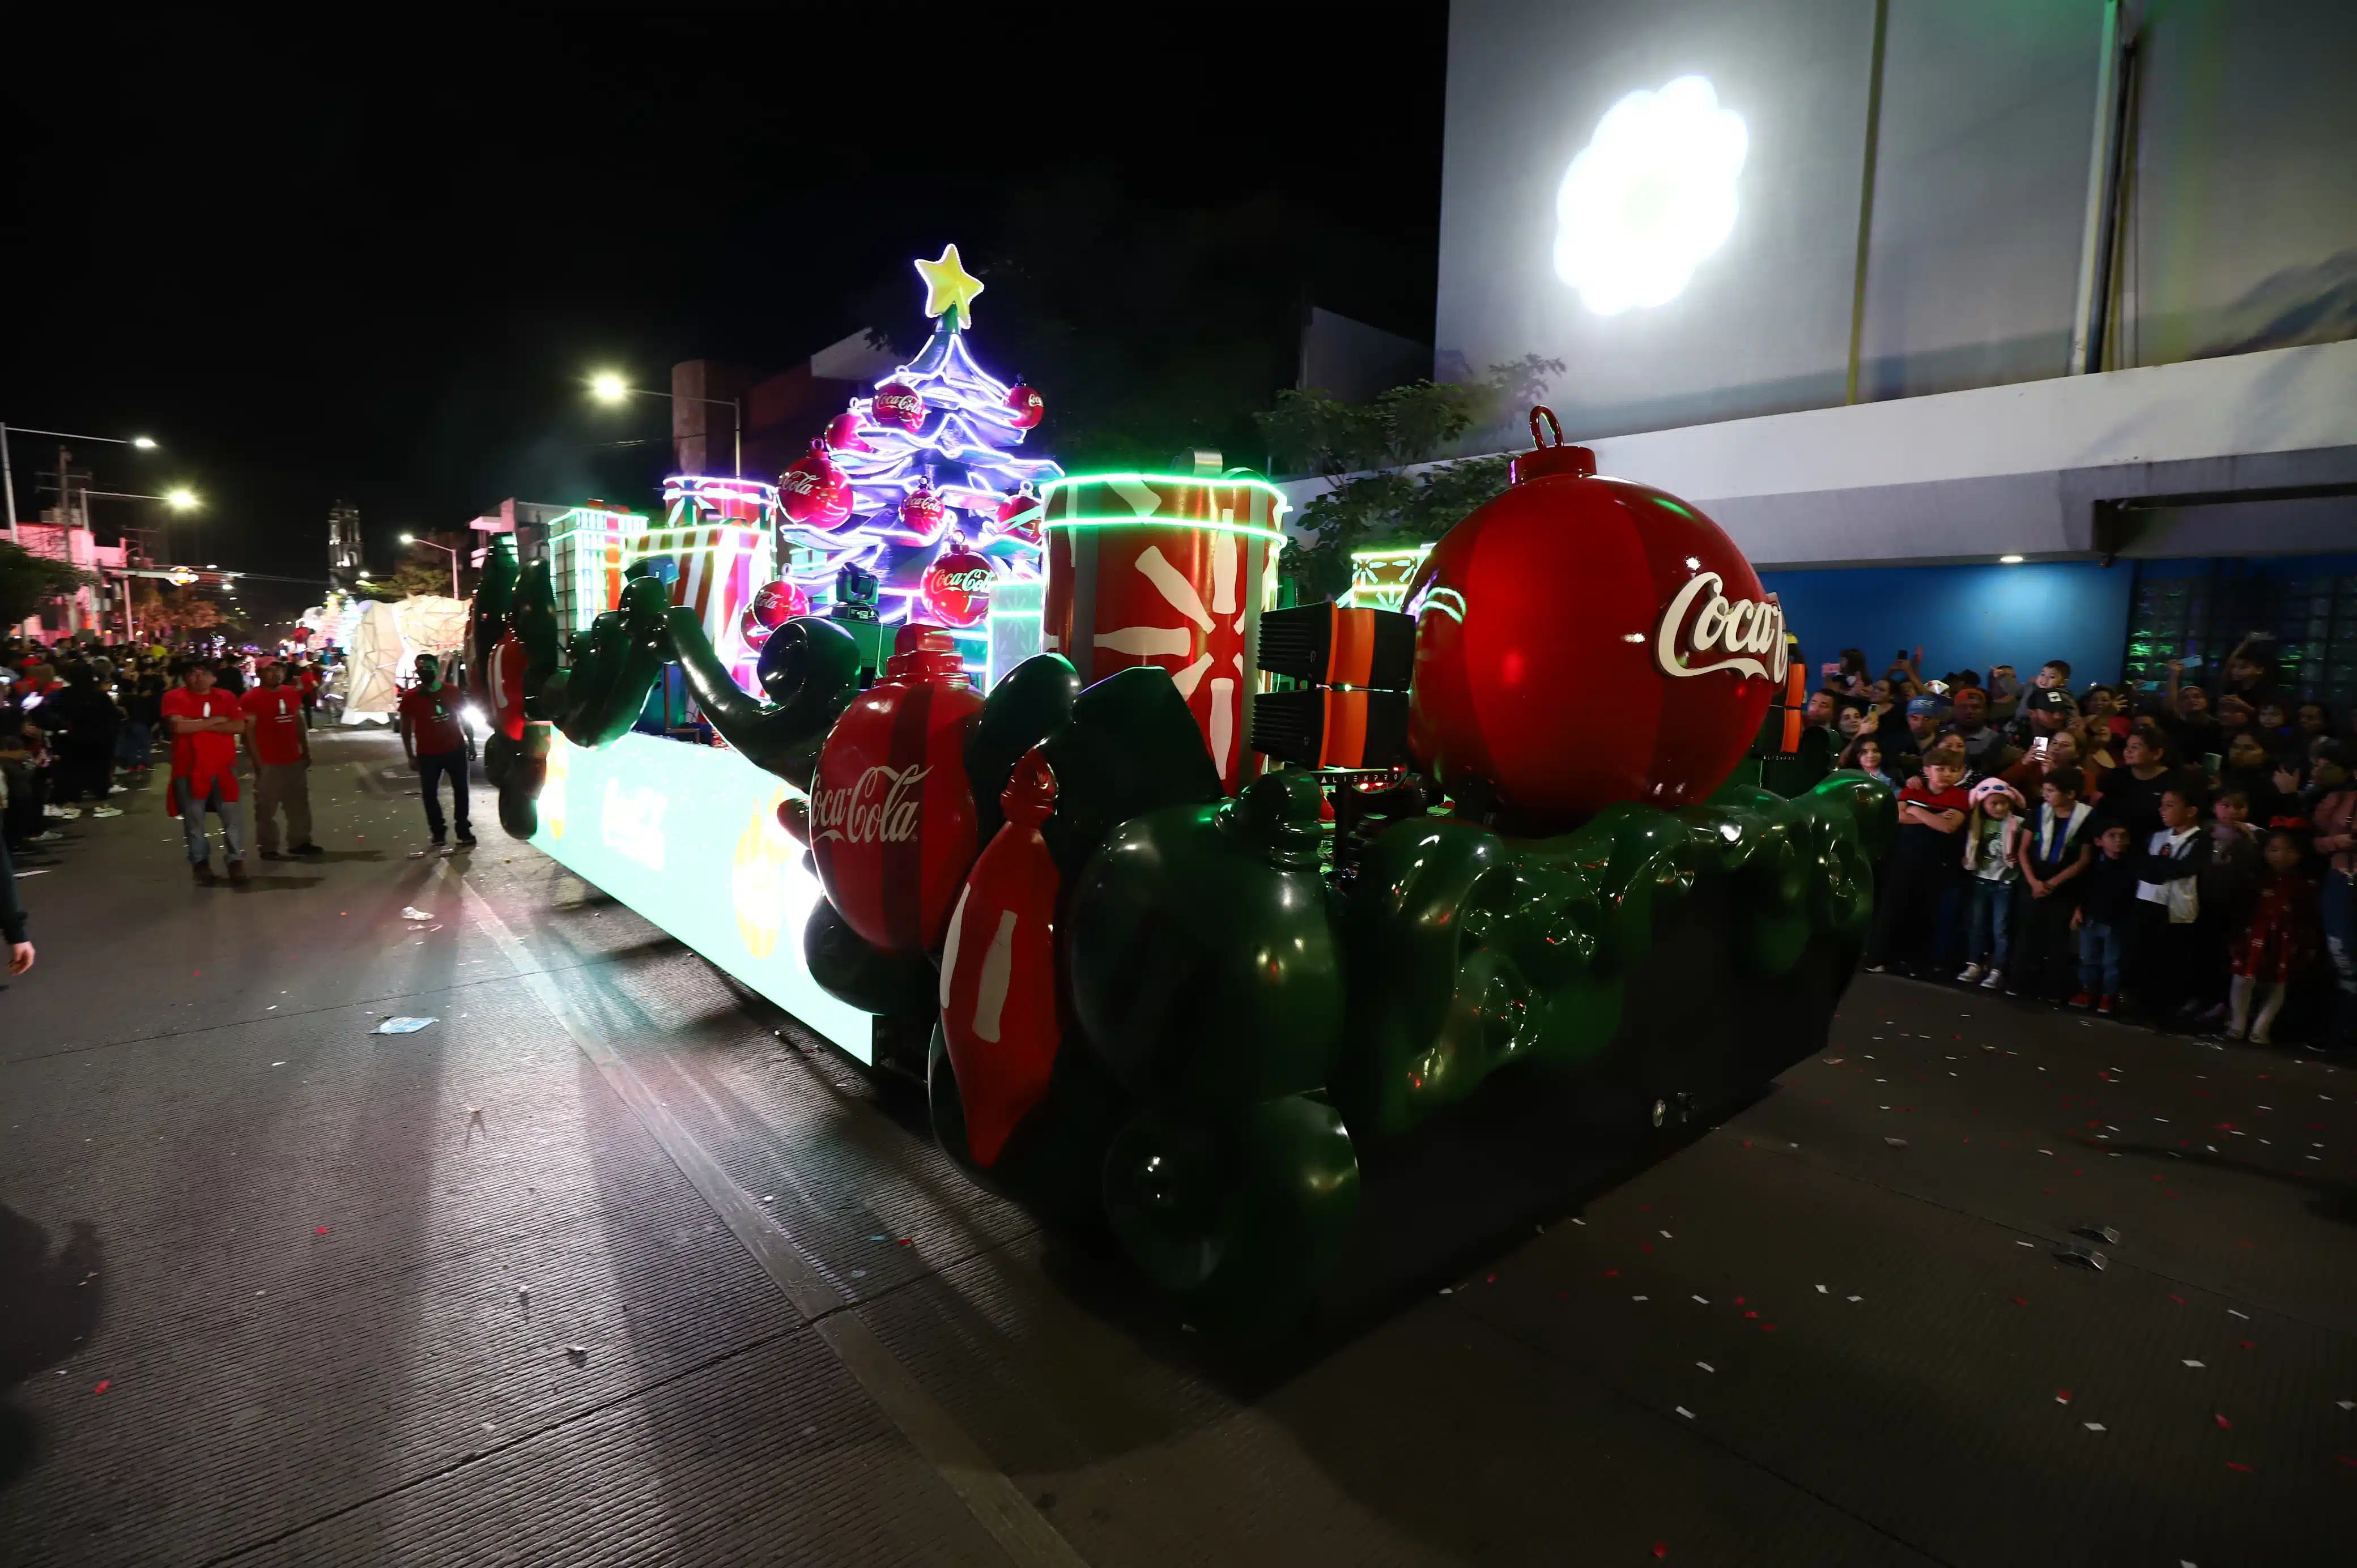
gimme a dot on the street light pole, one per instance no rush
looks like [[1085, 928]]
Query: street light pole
[[8, 472], [609, 389], [413, 539]]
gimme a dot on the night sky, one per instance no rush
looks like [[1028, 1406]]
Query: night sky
[[375, 259]]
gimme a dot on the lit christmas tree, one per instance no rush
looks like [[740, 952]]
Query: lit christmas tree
[[919, 485]]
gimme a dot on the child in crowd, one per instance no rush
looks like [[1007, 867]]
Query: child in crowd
[[2054, 853], [2280, 940], [1992, 858], [1865, 755], [1924, 862], [2102, 920], [2166, 943], [2227, 886]]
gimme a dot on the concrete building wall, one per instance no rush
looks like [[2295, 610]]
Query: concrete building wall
[[2240, 228]]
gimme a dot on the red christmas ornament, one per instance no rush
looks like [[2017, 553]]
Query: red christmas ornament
[[957, 585], [843, 434], [505, 678], [1025, 406], [772, 606], [923, 512], [998, 970], [1019, 513], [898, 404], [1582, 640], [891, 815], [814, 492]]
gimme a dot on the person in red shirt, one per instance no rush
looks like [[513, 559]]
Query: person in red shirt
[[280, 748], [307, 677], [436, 745], [205, 725]]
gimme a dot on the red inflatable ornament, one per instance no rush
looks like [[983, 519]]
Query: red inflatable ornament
[[897, 405], [1570, 594], [957, 585], [505, 678], [921, 513], [1019, 514], [813, 492], [891, 815], [773, 605], [843, 434], [998, 970], [1025, 406]]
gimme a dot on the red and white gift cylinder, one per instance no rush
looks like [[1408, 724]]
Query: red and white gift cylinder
[[1173, 572]]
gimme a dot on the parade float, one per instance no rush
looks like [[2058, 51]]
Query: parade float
[[1294, 949]]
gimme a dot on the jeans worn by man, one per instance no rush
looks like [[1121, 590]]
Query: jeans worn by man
[[436, 740]]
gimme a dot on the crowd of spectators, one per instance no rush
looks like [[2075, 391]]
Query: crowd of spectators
[[81, 720], [2186, 854]]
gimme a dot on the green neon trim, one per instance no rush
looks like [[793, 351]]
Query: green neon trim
[[1199, 524], [1208, 482]]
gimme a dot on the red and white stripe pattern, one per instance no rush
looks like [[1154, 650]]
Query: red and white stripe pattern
[[721, 565]]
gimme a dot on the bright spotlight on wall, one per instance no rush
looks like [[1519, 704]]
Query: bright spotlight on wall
[[2009, 560], [1650, 195]]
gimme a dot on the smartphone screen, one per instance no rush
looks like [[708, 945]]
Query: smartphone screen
[[2212, 763], [2037, 747]]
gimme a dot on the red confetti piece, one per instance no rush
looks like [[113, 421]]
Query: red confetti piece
[[1648, 1246], [2246, 1243], [2062, 1396], [1611, 1273], [2238, 1465], [2178, 1299], [2250, 1343], [908, 1241], [2021, 1301], [1767, 1328], [318, 1230], [1661, 1549], [2223, 1425], [1491, 1280], [1739, 1301], [103, 1384], [2345, 1459], [2046, 1189], [1751, 1314]]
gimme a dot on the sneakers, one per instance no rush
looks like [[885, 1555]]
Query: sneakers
[[466, 838], [47, 836], [53, 811], [273, 854], [68, 812], [2259, 1036], [1971, 973], [106, 811], [202, 870], [1995, 981], [2108, 1005], [307, 851], [2083, 999], [1878, 968]]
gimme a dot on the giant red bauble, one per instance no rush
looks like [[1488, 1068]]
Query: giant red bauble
[[892, 823], [1025, 406], [957, 585], [898, 404], [1582, 640], [773, 605], [814, 491]]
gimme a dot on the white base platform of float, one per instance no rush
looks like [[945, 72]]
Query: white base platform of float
[[688, 837]]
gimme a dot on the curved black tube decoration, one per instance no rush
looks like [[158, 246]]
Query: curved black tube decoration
[[809, 668]]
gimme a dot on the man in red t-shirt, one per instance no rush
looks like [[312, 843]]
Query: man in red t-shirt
[[280, 748], [436, 743], [205, 725]]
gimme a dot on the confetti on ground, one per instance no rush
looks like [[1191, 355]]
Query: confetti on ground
[[318, 1230], [1706, 1366], [2093, 1425], [401, 1026], [103, 1384], [2192, 1362], [2062, 1396]]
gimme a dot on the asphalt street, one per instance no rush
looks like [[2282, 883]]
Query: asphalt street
[[610, 1264]]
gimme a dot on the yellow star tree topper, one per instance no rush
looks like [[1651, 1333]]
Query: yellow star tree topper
[[949, 287]]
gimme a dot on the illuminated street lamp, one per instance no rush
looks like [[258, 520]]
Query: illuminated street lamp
[[608, 387], [413, 539], [9, 473]]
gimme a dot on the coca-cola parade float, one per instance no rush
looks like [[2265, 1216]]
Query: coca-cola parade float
[[1297, 951]]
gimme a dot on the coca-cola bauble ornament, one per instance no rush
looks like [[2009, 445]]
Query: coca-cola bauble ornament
[[891, 815], [504, 679], [772, 605], [957, 585], [1019, 514], [814, 491], [1025, 406], [897, 405], [922, 512], [843, 434], [1582, 640]]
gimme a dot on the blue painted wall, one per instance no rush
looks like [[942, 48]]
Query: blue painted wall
[[1964, 616]]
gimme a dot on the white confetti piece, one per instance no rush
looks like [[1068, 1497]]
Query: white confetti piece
[[1857, 1298], [1685, 1412], [2190, 1362], [2346, 1404], [2231, 1313], [1640, 1298], [1706, 1366], [1705, 1299], [1821, 1291], [2093, 1425]]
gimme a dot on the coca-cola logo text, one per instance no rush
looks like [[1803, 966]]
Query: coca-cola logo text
[[906, 406], [1742, 637], [884, 805], [974, 581]]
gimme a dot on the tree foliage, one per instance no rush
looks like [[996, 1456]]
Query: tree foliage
[[421, 571], [1364, 451], [29, 582]]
